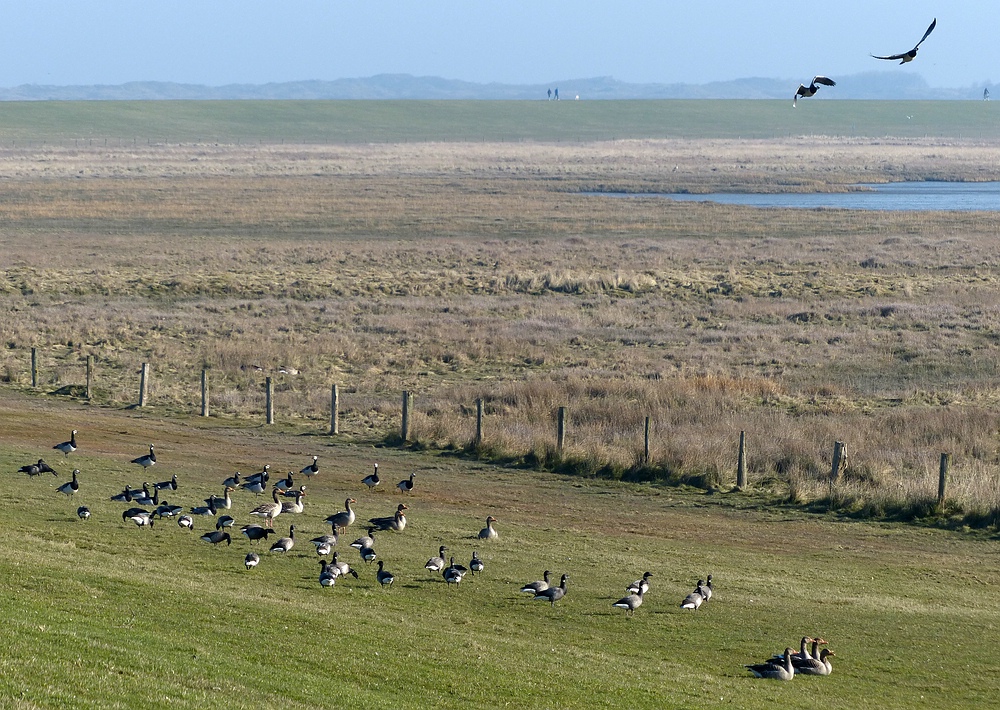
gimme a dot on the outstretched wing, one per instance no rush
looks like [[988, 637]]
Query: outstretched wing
[[894, 56], [824, 80], [929, 30]]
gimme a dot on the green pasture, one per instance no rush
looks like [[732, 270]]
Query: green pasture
[[88, 123]]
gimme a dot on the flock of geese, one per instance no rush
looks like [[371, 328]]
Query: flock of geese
[[287, 498]]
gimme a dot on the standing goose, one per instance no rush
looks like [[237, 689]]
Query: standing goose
[[489, 532], [217, 536], [83, 512], [312, 469], [346, 517], [164, 485], [327, 541], [368, 554], [365, 540], [70, 487], [233, 481], [147, 460], [254, 533], [269, 511], [372, 479], [298, 506], [453, 573], [782, 670], [186, 522], [67, 447], [436, 564], [406, 485], [553, 594], [631, 602], [384, 576], [695, 598], [284, 544], [476, 564], [640, 585], [911, 55], [327, 577], [815, 666], [397, 522], [251, 560], [539, 586]]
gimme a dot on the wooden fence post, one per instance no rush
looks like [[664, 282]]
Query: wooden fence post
[[943, 477], [90, 376], [645, 445], [144, 385], [407, 405], [335, 409], [839, 460], [34, 367], [204, 392], [479, 421], [561, 429], [741, 463], [269, 400]]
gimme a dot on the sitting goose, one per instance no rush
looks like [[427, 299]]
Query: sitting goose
[[298, 506], [67, 447], [815, 666], [285, 484], [775, 671], [217, 536], [406, 485], [209, 509], [284, 544], [365, 540], [147, 460], [372, 480], [312, 469], [631, 602], [397, 522], [707, 589], [640, 585], [223, 503], [695, 598], [251, 560], [436, 564], [70, 487], [539, 586], [489, 532], [553, 594], [144, 498], [166, 510], [384, 576], [125, 496], [233, 481], [346, 517], [164, 485]]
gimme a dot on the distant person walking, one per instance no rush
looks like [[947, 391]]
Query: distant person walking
[[557, 93], [550, 94], [986, 94]]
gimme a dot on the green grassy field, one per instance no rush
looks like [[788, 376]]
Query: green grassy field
[[101, 613], [121, 123]]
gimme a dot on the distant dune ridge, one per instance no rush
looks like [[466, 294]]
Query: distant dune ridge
[[868, 85]]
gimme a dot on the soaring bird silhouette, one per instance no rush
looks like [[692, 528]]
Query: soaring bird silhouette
[[807, 91], [909, 56]]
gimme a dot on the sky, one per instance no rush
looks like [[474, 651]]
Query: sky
[[220, 42]]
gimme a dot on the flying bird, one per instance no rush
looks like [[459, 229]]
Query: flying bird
[[909, 56], [807, 91]]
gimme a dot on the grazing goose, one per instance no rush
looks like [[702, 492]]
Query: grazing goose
[[224, 521], [910, 55], [539, 586], [640, 585], [284, 544], [346, 517], [233, 481], [436, 564], [209, 509], [453, 573], [631, 602], [256, 532], [476, 564], [815, 666], [325, 540], [297, 507], [406, 485], [342, 568], [553, 594], [140, 519], [776, 671], [251, 560], [67, 447], [164, 485], [125, 496], [397, 522], [166, 510], [70, 487], [147, 460], [217, 536], [695, 598], [285, 484], [327, 577], [268, 511], [365, 540], [372, 480], [489, 532], [133, 512], [807, 91], [186, 522], [223, 503], [312, 469], [384, 576], [324, 548], [83, 512]]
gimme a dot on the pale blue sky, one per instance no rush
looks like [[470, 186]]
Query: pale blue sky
[[217, 42]]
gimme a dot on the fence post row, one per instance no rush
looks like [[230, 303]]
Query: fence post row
[[204, 392], [407, 405], [144, 385], [479, 421], [34, 367], [269, 400], [741, 463], [335, 409], [645, 446], [943, 477], [90, 376]]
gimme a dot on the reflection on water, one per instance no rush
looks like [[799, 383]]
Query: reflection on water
[[962, 196]]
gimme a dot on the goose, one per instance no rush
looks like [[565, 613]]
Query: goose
[[262, 475], [695, 598], [144, 498], [365, 540], [476, 564], [292, 492], [297, 507], [489, 532], [256, 487], [815, 666], [217, 536], [147, 460], [67, 447], [312, 469], [186, 522], [372, 479], [224, 521], [83, 512], [70, 487], [436, 564], [807, 91], [324, 548], [910, 55], [166, 510], [140, 520], [631, 602], [233, 481], [327, 577], [453, 573], [133, 512], [325, 540], [707, 589], [209, 509], [346, 517], [384, 576], [397, 522], [553, 594], [539, 586], [284, 484], [342, 568], [164, 485], [368, 554], [33, 469], [251, 560], [268, 511], [776, 671], [223, 503], [125, 496], [256, 532], [804, 654], [640, 585], [284, 544], [406, 485]]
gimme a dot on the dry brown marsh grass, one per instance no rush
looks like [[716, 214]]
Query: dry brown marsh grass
[[462, 271]]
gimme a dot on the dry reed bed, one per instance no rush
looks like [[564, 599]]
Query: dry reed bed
[[465, 271]]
